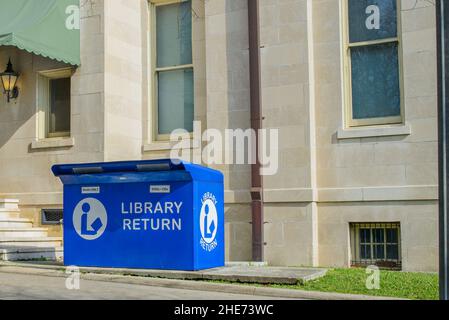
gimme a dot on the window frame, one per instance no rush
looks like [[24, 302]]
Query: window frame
[[43, 118], [154, 70], [349, 120], [356, 243]]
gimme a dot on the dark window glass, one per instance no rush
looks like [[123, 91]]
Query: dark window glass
[[392, 252], [372, 20], [365, 235], [365, 251], [392, 235], [378, 235], [379, 252], [375, 81], [59, 106]]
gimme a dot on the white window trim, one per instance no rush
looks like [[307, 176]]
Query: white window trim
[[349, 122], [43, 109], [374, 131], [53, 143], [156, 140]]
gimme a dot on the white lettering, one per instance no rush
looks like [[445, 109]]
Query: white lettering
[[169, 207], [73, 280], [213, 151], [178, 206], [176, 224], [136, 225], [165, 224], [233, 146], [145, 223], [373, 279], [158, 208], [148, 207], [373, 21], [73, 20], [153, 227], [126, 224], [124, 211], [138, 208], [152, 224]]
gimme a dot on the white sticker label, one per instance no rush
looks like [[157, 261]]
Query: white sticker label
[[90, 190], [159, 189]]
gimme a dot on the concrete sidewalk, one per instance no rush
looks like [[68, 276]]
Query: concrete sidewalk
[[94, 274], [233, 272]]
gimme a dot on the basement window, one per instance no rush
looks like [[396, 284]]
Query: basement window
[[376, 244], [52, 216]]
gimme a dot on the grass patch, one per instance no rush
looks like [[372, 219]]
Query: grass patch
[[409, 285], [41, 259]]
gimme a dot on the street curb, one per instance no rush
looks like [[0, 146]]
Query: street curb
[[206, 275], [58, 271]]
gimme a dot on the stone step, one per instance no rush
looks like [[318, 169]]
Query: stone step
[[30, 243], [5, 215], [9, 204], [24, 254], [23, 233], [15, 223]]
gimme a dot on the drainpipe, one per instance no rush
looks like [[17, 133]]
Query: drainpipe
[[443, 150], [256, 124]]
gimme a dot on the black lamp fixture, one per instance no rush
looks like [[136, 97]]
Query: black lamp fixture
[[9, 80]]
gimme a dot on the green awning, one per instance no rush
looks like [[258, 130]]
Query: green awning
[[39, 27]]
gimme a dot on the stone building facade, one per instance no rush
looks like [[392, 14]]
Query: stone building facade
[[337, 182]]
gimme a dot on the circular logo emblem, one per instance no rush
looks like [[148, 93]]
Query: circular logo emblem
[[90, 219], [209, 223]]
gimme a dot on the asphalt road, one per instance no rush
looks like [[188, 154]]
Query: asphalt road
[[37, 287]]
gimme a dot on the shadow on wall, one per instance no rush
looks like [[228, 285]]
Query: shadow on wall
[[17, 118], [238, 216], [18, 121], [13, 115]]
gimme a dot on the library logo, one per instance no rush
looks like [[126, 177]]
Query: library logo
[[209, 222], [90, 219]]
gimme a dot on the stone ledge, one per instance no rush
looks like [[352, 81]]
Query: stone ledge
[[368, 132], [37, 198], [398, 193], [401, 193], [168, 145], [53, 143], [289, 195], [9, 204], [359, 194], [237, 197]]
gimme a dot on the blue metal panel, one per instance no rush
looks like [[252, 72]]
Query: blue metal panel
[[209, 232], [128, 218]]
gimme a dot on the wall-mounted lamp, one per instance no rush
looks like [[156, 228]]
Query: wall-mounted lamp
[[9, 80]]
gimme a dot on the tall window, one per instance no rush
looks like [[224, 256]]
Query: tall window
[[54, 103], [173, 90], [376, 244], [373, 63]]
